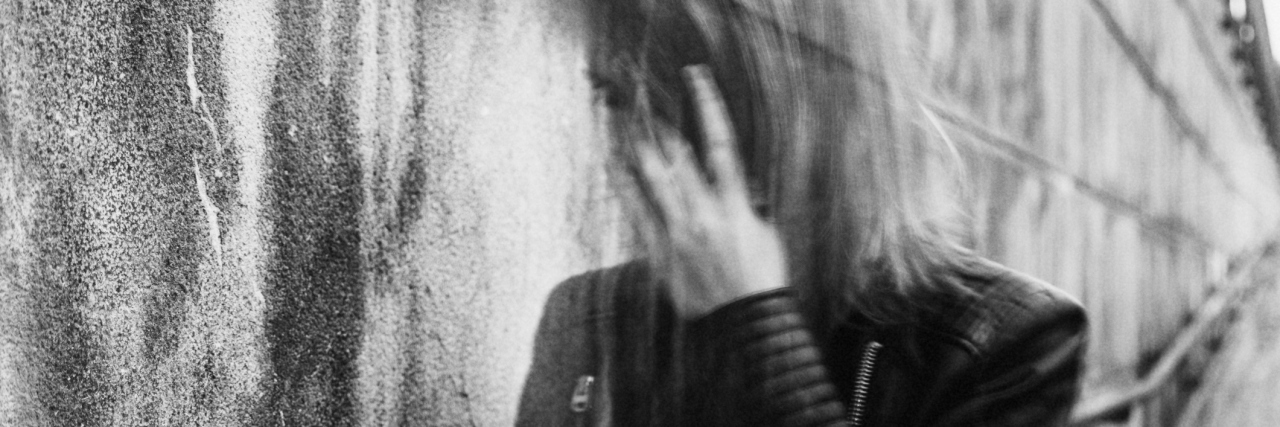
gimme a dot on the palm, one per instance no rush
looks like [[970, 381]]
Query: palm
[[717, 248]]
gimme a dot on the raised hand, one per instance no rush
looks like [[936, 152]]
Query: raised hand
[[717, 248]]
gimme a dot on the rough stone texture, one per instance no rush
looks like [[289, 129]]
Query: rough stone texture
[[399, 185]]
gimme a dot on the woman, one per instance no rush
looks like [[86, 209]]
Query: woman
[[795, 276]]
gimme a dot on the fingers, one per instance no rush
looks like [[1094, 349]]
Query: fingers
[[680, 195], [661, 185], [717, 131]]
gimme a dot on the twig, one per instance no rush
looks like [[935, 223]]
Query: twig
[[202, 189], [210, 212], [197, 97]]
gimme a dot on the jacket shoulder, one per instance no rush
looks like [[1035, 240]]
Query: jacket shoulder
[[571, 339], [1005, 306], [591, 295]]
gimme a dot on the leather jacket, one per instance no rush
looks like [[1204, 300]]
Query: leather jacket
[[1008, 353]]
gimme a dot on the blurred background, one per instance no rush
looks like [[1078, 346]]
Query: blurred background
[[245, 212]]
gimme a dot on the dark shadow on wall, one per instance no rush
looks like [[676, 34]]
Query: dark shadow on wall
[[165, 140], [313, 201], [70, 365], [99, 67]]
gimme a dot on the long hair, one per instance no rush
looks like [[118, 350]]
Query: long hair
[[820, 93]]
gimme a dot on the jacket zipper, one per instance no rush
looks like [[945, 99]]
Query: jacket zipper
[[580, 401], [862, 384]]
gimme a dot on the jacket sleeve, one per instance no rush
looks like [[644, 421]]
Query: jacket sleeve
[[785, 381], [1030, 377]]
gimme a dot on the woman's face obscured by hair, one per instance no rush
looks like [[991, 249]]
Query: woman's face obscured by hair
[[638, 51], [818, 92]]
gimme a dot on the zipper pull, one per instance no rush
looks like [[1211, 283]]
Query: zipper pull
[[581, 400]]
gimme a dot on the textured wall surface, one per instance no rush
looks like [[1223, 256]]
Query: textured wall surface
[[361, 232], [289, 213], [1111, 150]]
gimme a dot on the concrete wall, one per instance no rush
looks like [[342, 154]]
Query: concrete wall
[[399, 184]]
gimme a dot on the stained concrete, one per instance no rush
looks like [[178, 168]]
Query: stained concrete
[[394, 188]]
